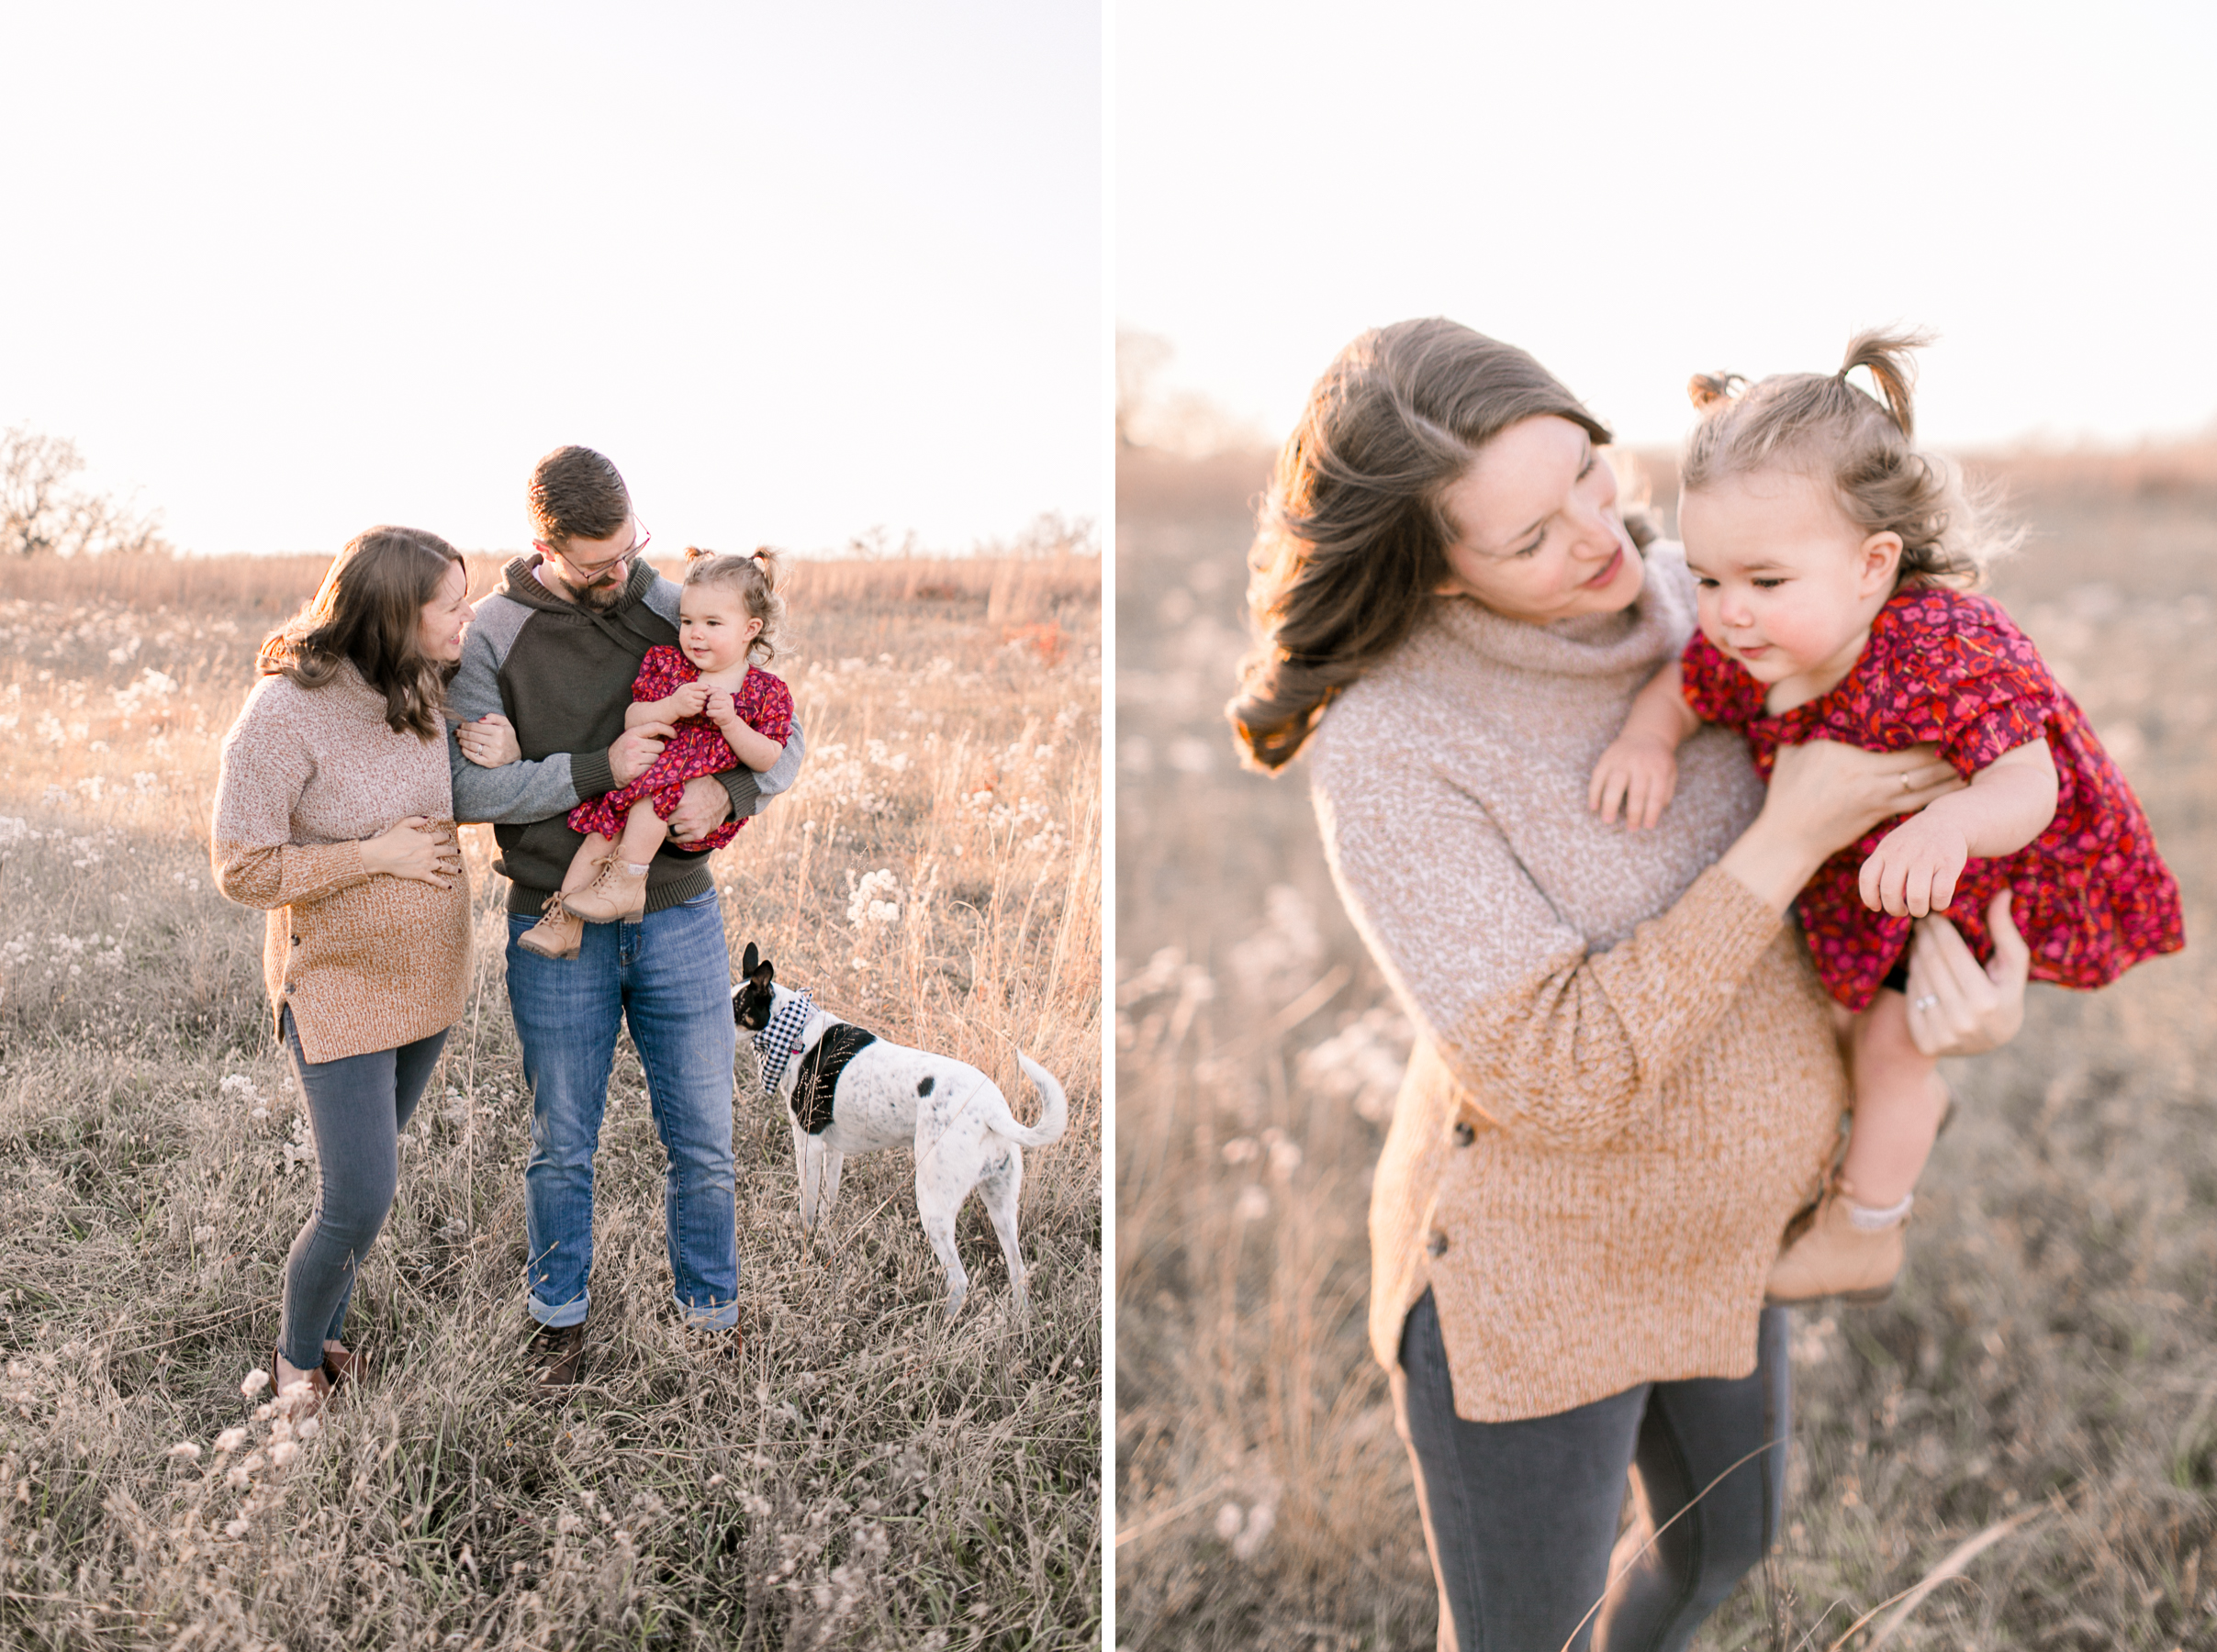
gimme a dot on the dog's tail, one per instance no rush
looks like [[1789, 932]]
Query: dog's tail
[[1052, 1117]]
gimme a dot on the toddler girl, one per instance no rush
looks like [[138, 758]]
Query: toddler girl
[[725, 710], [1831, 558]]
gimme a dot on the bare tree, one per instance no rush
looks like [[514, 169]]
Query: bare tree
[[43, 512], [1182, 422]]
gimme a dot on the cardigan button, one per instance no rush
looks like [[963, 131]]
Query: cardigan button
[[1464, 1135], [1436, 1242]]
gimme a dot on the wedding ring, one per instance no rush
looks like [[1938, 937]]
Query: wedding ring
[[1905, 781], [1927, 1001]]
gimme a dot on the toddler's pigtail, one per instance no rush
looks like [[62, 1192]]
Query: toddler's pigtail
[[1709, 391], [766, 599], [1885, 356]]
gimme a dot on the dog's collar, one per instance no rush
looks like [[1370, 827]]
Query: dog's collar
[[776, 1042]]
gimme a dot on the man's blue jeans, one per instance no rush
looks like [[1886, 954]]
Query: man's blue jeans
[[670, 978]]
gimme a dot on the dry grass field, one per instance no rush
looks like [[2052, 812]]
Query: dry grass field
[[2043, 1387], [870, 1474]]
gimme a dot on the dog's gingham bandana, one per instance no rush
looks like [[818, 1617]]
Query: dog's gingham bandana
[[775, 1043]]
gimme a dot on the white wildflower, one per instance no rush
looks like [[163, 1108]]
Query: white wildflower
[[870, 900], [1260, 1520], [230, 1439], [185, 1449], [257, 1380], [282, 1454]]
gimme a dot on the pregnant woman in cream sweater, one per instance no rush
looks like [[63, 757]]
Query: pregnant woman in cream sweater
[[333, 814], [1626, 1078]]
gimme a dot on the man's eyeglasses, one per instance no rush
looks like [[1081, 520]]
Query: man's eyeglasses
[[590, 573]]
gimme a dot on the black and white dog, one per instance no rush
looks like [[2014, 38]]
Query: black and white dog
[[851, 1091]]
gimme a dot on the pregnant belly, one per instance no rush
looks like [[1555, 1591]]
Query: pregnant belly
[[385, 926]]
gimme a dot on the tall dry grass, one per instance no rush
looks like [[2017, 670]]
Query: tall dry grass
[[2045, 1378], [868, 1473]]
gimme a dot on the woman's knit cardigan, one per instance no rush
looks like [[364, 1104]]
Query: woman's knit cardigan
[[1625, 1077], [366, 961]]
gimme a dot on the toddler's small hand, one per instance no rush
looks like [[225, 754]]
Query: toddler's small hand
[[689, 700], [1639, 773], [1914, 869], [719, 706]]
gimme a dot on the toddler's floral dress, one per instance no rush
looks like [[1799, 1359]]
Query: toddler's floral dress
[[762, 703], [2091, 897]]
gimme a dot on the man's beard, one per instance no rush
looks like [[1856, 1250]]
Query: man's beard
[[600, 597]]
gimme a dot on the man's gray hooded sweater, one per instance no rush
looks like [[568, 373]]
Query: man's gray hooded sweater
[[562, 674]]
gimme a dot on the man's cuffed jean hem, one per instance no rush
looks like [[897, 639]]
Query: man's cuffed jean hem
[[556, 1315], [713, 1316]]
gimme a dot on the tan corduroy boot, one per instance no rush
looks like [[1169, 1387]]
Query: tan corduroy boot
[[556, 935], [617, 894], [1833, 1258]]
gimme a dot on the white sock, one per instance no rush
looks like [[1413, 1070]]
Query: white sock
[[1867, 1219], [635, 870]]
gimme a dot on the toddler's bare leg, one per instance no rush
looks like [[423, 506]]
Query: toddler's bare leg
[[643, 830], [1898, 1100], [585, 862]]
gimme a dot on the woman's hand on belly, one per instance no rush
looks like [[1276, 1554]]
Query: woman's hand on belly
[[414, 849], [1824, 795]]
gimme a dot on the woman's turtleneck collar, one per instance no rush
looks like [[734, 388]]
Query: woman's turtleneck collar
[[1631, 639]]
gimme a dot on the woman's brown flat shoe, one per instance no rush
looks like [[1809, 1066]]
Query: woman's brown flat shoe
[[318, 1378], [340, 1365]]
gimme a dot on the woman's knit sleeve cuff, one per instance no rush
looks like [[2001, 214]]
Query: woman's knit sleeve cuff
[[1718, 928]]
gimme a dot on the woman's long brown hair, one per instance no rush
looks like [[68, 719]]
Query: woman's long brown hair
[[368, 612], [1352, 539]]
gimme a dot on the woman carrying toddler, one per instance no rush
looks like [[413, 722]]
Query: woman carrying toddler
[[1831, 559]]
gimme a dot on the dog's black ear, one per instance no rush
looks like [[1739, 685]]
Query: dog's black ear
[[747, 963], [762, 974]]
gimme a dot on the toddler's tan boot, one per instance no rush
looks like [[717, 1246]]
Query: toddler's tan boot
[[556, 935], [1833, 1258], [617, 894]]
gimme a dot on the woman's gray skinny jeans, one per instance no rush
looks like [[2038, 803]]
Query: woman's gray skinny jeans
[[1521, 1517], [358, 1106]]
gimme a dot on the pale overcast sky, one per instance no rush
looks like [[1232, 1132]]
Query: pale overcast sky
[[1637, 192], [799, 270]]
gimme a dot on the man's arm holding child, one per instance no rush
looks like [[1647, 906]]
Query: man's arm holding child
[[521, 790], [711, 800]]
